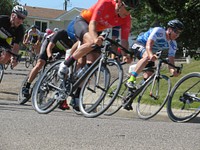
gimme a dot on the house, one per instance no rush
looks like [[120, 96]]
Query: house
[[50, 18]]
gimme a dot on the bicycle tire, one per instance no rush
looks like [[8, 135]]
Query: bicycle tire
[[44, 96], [21, 98], [27, 61], [151, 102], [118, 102], [34, 61], [1, 72], [93, 101], [181, 107]]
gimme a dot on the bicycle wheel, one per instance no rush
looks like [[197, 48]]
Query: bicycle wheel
[[184, 99], [1, 72], [93, 100], [45, 94], [34, 60], [118, 102], [27, 60], [153, 97], [21, 98]]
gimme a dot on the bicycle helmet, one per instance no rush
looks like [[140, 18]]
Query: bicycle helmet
[[20, 10], [49, 31], [34, 26], [131, 3], [176, 24], [55, 29]]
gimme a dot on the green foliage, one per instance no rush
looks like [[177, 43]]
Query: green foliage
[[158, 12], [6, 6]]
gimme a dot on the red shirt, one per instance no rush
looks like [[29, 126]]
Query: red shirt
[[103, 12]]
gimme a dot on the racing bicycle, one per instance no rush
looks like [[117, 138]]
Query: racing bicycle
[[152, 93], [50, 89], [184, 99]]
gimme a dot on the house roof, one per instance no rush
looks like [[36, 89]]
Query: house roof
[[47, 13], [39, 12]]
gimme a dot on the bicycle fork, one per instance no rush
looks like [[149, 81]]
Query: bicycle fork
[[156, 87]]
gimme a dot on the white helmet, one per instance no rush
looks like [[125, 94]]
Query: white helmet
[[55, 29], [20, 10]]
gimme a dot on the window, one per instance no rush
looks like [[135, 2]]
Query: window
[[42, 25]]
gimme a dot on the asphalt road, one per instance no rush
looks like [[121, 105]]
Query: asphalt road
[[22, 128]]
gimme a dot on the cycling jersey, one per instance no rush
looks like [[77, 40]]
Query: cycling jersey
[[8, 34], [103, 12], [34, 36], [61, 41], [158, 35]]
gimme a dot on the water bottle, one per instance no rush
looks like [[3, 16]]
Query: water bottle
[[81, 71]]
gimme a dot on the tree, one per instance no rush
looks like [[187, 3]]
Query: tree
[[6, 6], [159, 12]]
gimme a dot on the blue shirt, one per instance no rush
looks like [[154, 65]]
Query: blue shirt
[[158, 35]]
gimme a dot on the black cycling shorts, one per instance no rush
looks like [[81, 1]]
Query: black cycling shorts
[[80, 27], [43, 52]]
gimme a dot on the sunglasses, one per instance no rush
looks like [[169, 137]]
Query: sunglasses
[[177, 31], [19, 17]]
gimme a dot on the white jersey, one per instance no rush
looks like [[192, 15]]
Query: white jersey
[[158, 35]]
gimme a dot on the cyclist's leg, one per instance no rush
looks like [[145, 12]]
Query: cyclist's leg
[[142, 55], [34, 72]]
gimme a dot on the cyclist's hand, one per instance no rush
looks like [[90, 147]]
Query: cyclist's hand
[[99, 40], [127, 59], [153, 58], [51, 59], [13, 62]]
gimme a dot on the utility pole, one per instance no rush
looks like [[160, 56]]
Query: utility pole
[[66, 2]]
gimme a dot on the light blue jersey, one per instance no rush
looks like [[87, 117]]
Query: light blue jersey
[[158, 35]]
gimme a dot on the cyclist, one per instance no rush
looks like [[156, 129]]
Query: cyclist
[[55, 29], [11, 33], [47, 32], [87, 26], [55, 42], [34, 37], [153, 40]]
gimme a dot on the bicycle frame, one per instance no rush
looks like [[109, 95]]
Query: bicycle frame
[[154, 76]]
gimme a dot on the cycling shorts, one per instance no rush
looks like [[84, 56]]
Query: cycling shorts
[[43, 52]]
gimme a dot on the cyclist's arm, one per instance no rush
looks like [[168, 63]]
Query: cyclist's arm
[[27, 38], [93, 33], [149, 46], [49, 49], [171, 69]]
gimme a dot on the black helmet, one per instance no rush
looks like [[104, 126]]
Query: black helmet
[[33, 26], [176, 24], [20, 10], [131, 3]]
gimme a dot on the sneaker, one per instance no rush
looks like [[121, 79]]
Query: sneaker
[[131, 85], [75, 104], [64, 105], [25, 92], [63, 69]]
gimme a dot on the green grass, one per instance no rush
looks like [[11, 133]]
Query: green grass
[[187, 68]]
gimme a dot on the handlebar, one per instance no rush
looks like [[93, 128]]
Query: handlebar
[[9, 51], [105, 34]]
